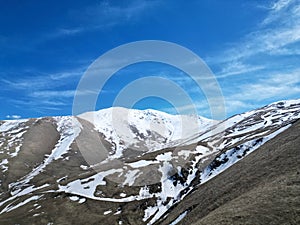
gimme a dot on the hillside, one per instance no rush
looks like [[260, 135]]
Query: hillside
[[120, 166], [263, 188]]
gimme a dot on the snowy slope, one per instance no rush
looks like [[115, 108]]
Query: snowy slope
[[227, 143]]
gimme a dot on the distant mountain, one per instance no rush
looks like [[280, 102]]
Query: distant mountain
[[145, 130], [121, 166]]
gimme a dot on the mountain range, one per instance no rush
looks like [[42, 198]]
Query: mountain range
[[128, 166]]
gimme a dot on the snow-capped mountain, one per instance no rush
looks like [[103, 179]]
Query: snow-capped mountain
[[148, 161], [145, 130]]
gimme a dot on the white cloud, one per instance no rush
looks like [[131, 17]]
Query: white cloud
[[247, 96], [233, 105], [41, 91], [276, 86], [106, 14], [39, 105], [53, 94], [65, 93], [13, 116], [279, 5], [201, 107], [36, 80], [112, 13], [273, 37], [236, 68], [26, 83], [64, 75]]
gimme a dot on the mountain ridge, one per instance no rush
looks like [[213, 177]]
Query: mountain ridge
[[59, 160]]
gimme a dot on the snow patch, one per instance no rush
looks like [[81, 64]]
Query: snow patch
[[11, 124], [10, 207], [74, 198], [130, 177], [107, 212], [232, 156], [3, 165], [179, 218], [141, 163]]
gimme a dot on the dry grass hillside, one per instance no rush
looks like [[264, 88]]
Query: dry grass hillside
[[263, 188]]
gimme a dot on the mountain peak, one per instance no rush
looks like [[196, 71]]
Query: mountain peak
[[149, 129]]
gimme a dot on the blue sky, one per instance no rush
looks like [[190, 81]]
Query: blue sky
[[252, 47]]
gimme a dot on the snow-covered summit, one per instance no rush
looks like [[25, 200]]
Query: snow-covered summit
[[149, 129]]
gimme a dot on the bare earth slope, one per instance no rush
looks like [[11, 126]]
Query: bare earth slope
[[263, 188]]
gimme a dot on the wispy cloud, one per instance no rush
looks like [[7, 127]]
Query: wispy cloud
[[43, 90], [113, 13], [24, 84], [276, 35], [246, 96], [62, 94], [200, 106], [277, 6], [53, 94], [96, 16], [262, 55], [105, 14], [274, 10], [237, 68], [39, 105], [278, 85], [35, 80], [13, 116]]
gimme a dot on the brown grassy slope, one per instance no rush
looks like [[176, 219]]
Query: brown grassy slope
[[263, 188], [35, 145]]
